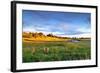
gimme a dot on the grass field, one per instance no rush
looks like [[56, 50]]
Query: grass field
[[39, 51]]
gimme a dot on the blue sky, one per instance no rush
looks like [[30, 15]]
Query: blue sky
[[70, 24]]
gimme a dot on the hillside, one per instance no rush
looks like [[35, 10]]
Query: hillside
[[39, 36], [27, 37]]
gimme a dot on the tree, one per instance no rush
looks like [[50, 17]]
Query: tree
[[50, 35], [40, 34]]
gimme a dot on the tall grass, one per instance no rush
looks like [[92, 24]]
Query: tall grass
[[58, 51]]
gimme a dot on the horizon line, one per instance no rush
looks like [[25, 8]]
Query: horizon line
[[59, 35]]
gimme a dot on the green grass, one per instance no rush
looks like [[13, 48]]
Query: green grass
[[58, 51]]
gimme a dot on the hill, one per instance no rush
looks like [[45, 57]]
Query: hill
[[30, 36]]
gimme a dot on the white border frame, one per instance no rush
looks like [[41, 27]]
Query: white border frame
[[21, 65]]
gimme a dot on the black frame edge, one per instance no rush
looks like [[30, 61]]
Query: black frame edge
[[96, 36], [13, 35], [54, 4], [56, 68]]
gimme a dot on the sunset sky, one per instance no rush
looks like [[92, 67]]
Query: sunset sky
[[69, 24]]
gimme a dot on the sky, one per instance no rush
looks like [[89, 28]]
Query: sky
[[65, 24]]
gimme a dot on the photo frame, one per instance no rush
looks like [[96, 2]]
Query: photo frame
[[48, 36]]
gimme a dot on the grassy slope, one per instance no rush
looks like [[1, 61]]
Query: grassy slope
[[59, 49], [43, 39], [27, 37]]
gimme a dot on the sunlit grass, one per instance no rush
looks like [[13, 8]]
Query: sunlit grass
[[57, 51]]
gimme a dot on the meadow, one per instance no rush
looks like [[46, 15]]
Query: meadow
[[43, 51]]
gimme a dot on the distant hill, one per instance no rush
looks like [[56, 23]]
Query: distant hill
[[39, 36], [30, 36]]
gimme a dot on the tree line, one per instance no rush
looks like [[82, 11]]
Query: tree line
[[40, 34]]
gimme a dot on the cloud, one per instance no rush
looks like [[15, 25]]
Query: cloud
[[77, 35], [85, 30], [80, 35], [63, 29], [57, 23]]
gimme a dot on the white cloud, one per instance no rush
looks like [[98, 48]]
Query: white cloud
[[88, 30], [61, 30], [28, 29], [79, 35]]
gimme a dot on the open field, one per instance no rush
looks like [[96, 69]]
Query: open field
[[55, 36], [41, 51]]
